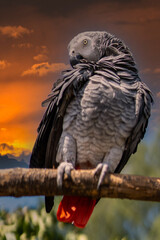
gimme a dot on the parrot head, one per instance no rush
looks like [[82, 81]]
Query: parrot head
[[92, 46]]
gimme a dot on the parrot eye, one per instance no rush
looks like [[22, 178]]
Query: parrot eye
[[85, 41]]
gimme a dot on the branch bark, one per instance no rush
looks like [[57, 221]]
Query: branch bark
[[30, 182]]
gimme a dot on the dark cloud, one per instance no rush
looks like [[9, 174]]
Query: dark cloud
[[53, 8], [6, 147], [49, 7], [137, 21]]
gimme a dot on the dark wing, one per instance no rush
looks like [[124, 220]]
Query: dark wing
[[121, 70], [143, 109], [143, 102], [50, 128]]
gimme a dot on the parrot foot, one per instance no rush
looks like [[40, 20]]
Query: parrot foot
[[63, 168], [102, 169]]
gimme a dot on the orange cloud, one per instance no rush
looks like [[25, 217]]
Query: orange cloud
[[44, 68], [15, 150], [40, 57], [14, 31], [157, 70], [43, 54], [4, 64]]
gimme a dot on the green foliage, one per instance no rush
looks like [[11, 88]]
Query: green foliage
[[30, 224], [112, 219]]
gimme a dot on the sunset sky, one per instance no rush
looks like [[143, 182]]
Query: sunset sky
[[33, 51]]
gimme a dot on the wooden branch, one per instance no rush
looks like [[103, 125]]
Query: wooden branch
[[30, 182]]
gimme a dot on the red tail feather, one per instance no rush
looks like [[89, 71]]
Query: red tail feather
[[76, 210]]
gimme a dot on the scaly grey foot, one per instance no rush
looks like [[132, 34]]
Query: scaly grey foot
[[102, 169], [63, 168]]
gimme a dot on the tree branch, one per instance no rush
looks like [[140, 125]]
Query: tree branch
[[30, 182]]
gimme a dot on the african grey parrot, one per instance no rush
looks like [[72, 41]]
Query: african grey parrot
[[97, 114]]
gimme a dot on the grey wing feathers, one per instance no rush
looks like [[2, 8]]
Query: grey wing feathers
[[121, 72], [50, 128], [142, 110]]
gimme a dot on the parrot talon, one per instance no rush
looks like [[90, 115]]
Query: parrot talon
[[63, 168], [102, 169], [98, 169]]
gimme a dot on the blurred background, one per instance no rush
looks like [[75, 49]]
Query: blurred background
[[33, 51]]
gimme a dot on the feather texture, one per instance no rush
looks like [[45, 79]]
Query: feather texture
[[97, 112]]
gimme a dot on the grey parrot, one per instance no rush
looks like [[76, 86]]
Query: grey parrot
[[97, 113]]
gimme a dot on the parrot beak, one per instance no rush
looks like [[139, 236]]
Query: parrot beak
[[75, 59]]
